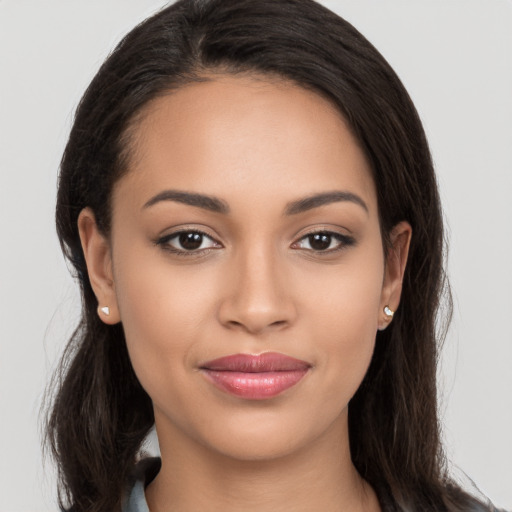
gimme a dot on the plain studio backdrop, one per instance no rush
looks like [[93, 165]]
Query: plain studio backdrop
[[454, 57]]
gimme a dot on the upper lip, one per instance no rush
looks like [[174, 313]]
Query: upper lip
[[249, 363]]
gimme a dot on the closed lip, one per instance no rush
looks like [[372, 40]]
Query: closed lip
[[249, 363], [255, 377]]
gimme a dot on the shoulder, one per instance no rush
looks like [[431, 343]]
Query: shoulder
[[451, 496], [144, 472]]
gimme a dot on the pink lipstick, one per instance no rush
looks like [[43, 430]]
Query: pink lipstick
[[255, 377]]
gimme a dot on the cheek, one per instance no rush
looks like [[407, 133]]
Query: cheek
[[346, 309], [345, 300], [163, 310]]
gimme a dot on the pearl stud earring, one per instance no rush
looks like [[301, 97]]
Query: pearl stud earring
[[388, 312], [105, 310]]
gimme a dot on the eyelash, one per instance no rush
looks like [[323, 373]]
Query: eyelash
[[344, 241], [164, 242]]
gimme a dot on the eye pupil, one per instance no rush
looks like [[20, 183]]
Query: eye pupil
[[191, 241], [319, 241]]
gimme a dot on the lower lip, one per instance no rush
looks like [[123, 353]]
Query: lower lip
[[255, 386]]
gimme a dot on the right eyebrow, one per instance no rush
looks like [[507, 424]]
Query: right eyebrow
[[211, 203]]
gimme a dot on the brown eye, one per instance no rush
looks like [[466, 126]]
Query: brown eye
[[187, 242], [320, 241], [324, 241], [190, 241]]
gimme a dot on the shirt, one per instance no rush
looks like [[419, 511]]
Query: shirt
[[145, 472], [147, 469]]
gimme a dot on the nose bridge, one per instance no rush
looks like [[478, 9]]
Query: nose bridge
[[258, 299]]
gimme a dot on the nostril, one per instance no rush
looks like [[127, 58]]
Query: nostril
[[256, 327], [256, 309]]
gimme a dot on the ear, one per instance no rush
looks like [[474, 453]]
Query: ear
[[396, 260], [98, 258]]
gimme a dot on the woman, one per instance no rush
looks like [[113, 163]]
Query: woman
[[247, 197]]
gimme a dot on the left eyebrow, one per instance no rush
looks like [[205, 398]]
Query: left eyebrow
[[316, 200]]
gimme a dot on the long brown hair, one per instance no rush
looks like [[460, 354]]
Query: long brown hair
[[100, 413]]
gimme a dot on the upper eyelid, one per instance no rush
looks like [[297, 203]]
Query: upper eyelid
[[329, 231], [176, 234], [203, 231], [340, 236], [185, 229], [324, 228]]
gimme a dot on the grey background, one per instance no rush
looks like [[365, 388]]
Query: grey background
[[454, 56]]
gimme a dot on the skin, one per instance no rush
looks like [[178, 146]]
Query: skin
[[255, 285]]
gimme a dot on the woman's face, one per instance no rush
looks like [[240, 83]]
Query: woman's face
[[247, 225]]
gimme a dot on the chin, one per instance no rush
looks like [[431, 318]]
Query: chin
[[257, 449], [268, 436]]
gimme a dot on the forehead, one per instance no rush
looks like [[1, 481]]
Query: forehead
[[250, 136]]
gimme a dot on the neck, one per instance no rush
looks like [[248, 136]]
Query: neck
[[318, 477]]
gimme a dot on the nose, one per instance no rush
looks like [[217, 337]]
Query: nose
[[258, 296]]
